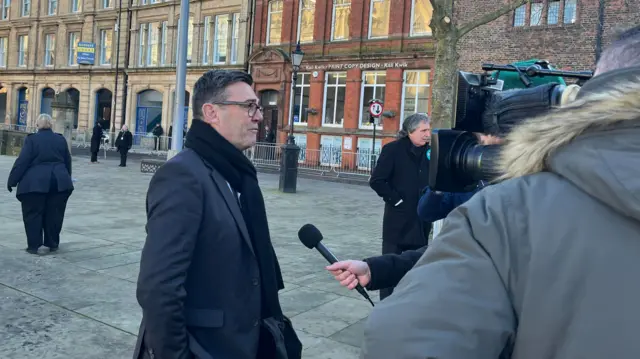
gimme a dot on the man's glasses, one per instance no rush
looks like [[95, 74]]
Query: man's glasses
[[252, 107]]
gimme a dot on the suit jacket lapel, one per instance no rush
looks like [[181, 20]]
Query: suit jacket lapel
[[234, 206]]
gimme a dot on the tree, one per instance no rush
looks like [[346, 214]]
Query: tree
[[447, 34]]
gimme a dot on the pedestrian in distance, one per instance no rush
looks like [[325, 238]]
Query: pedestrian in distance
[[123, 144], [96, 138], [42, 173]]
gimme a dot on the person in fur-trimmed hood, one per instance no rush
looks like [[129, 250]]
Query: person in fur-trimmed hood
[[545, 263]]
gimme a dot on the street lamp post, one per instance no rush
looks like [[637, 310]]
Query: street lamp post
[[291, 151]]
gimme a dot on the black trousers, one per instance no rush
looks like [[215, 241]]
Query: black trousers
[[94, 156], [43, 213], [388, 248], [123, 157]]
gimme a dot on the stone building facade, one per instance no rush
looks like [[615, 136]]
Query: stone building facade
[[38, 63]]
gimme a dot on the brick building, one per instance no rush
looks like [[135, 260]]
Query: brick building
[[358, 49], [38, 59]]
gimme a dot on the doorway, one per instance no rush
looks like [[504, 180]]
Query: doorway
[[103, 109], [268, 128]]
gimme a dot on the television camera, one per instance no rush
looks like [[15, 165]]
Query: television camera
[[491, 105]]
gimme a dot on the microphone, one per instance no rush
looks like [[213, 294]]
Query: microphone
[[311, 237]]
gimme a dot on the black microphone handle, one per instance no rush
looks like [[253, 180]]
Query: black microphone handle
[[326, 253]]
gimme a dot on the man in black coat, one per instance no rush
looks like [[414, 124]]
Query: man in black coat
[[209, 277], [400, 175], [96, 137], [123, 144], [42, 173]]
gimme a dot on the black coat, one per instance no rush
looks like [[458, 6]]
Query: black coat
[[199, 281], [124, 141], [96, 137], [401, 173], [387, 270], [44, 155]]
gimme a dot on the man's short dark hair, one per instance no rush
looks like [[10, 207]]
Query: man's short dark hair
[[211, 87], [622, 53]]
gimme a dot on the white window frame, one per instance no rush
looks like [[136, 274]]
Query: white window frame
[[150, 44], [189, 41], [557, 12], [299, 92], [107, 4], [142, 45], [3, 52], [52, 7], [49, 49], [23, 50], [6, 5], [269, 13], [404, 93], [103, 48], [334, 87], [364, 143], [216, 41], [333, 21], [71, 53], [575, 12], [143, 2], [362, 125], [76, 6], [25, 9], [163, 44], [206, 40], [235, 37], [411, 32], [300, 11], [155, 1], [539, 9], [515, 16], [371, 16], [332, 139]]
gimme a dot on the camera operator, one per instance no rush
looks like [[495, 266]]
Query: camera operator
[[386, 270], [401, 173], [543, 264]]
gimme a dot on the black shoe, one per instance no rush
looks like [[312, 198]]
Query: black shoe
[[31, 251]]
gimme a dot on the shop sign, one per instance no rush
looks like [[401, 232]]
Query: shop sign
[[362, 66]]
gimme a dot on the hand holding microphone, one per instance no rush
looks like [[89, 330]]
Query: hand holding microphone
[[351, 273], [311, 237]]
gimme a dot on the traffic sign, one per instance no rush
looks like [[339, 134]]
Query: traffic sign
[[375, 109]]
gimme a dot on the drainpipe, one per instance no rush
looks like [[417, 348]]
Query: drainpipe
[[251, 19], [125, 81], [600, 29], [115, 100]]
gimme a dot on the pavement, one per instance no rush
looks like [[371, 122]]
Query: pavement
[[80, 302]]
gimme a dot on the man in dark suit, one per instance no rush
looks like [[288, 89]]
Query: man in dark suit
[[123, 144], [42, 173], [96, 137], [209, 277], [400, 175]]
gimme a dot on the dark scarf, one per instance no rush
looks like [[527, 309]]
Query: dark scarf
[[234, 166]]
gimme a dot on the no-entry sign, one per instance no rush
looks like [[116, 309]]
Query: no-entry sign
[[375, 109]]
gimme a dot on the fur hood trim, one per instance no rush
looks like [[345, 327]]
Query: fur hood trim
[[530, 145]]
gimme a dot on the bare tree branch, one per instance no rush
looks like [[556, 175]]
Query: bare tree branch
[[487, 18]]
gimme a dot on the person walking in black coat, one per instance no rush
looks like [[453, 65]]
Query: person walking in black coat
[[400, 175], [209, 276], [96, 137], [123, 144], [42, 173]]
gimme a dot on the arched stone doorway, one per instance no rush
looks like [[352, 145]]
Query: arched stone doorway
[[69, 103], [3, 104], [103, 108], [148, 112], [268, 129], [48, 96], [23, 107]]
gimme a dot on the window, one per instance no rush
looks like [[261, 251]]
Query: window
[[142, 44], [274, 22], [106, 4], [421, 12], [5, 9], [415, 94], [105, 46], [163, 44], [234, 38], [553, 12], [25, 10], [52, 8], [23, 50], [305, 20], [570, 11], [331, 150], [379, 18], [153, 44], [206, 40], [3, 52], [340, 25], [143, 2], [334, 96], [536, 14], [49, 49], [220, 48], [189, 40], [76, 5], [301, 98], [519, 16], [74, 38], [364, 152], [372, 87]]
